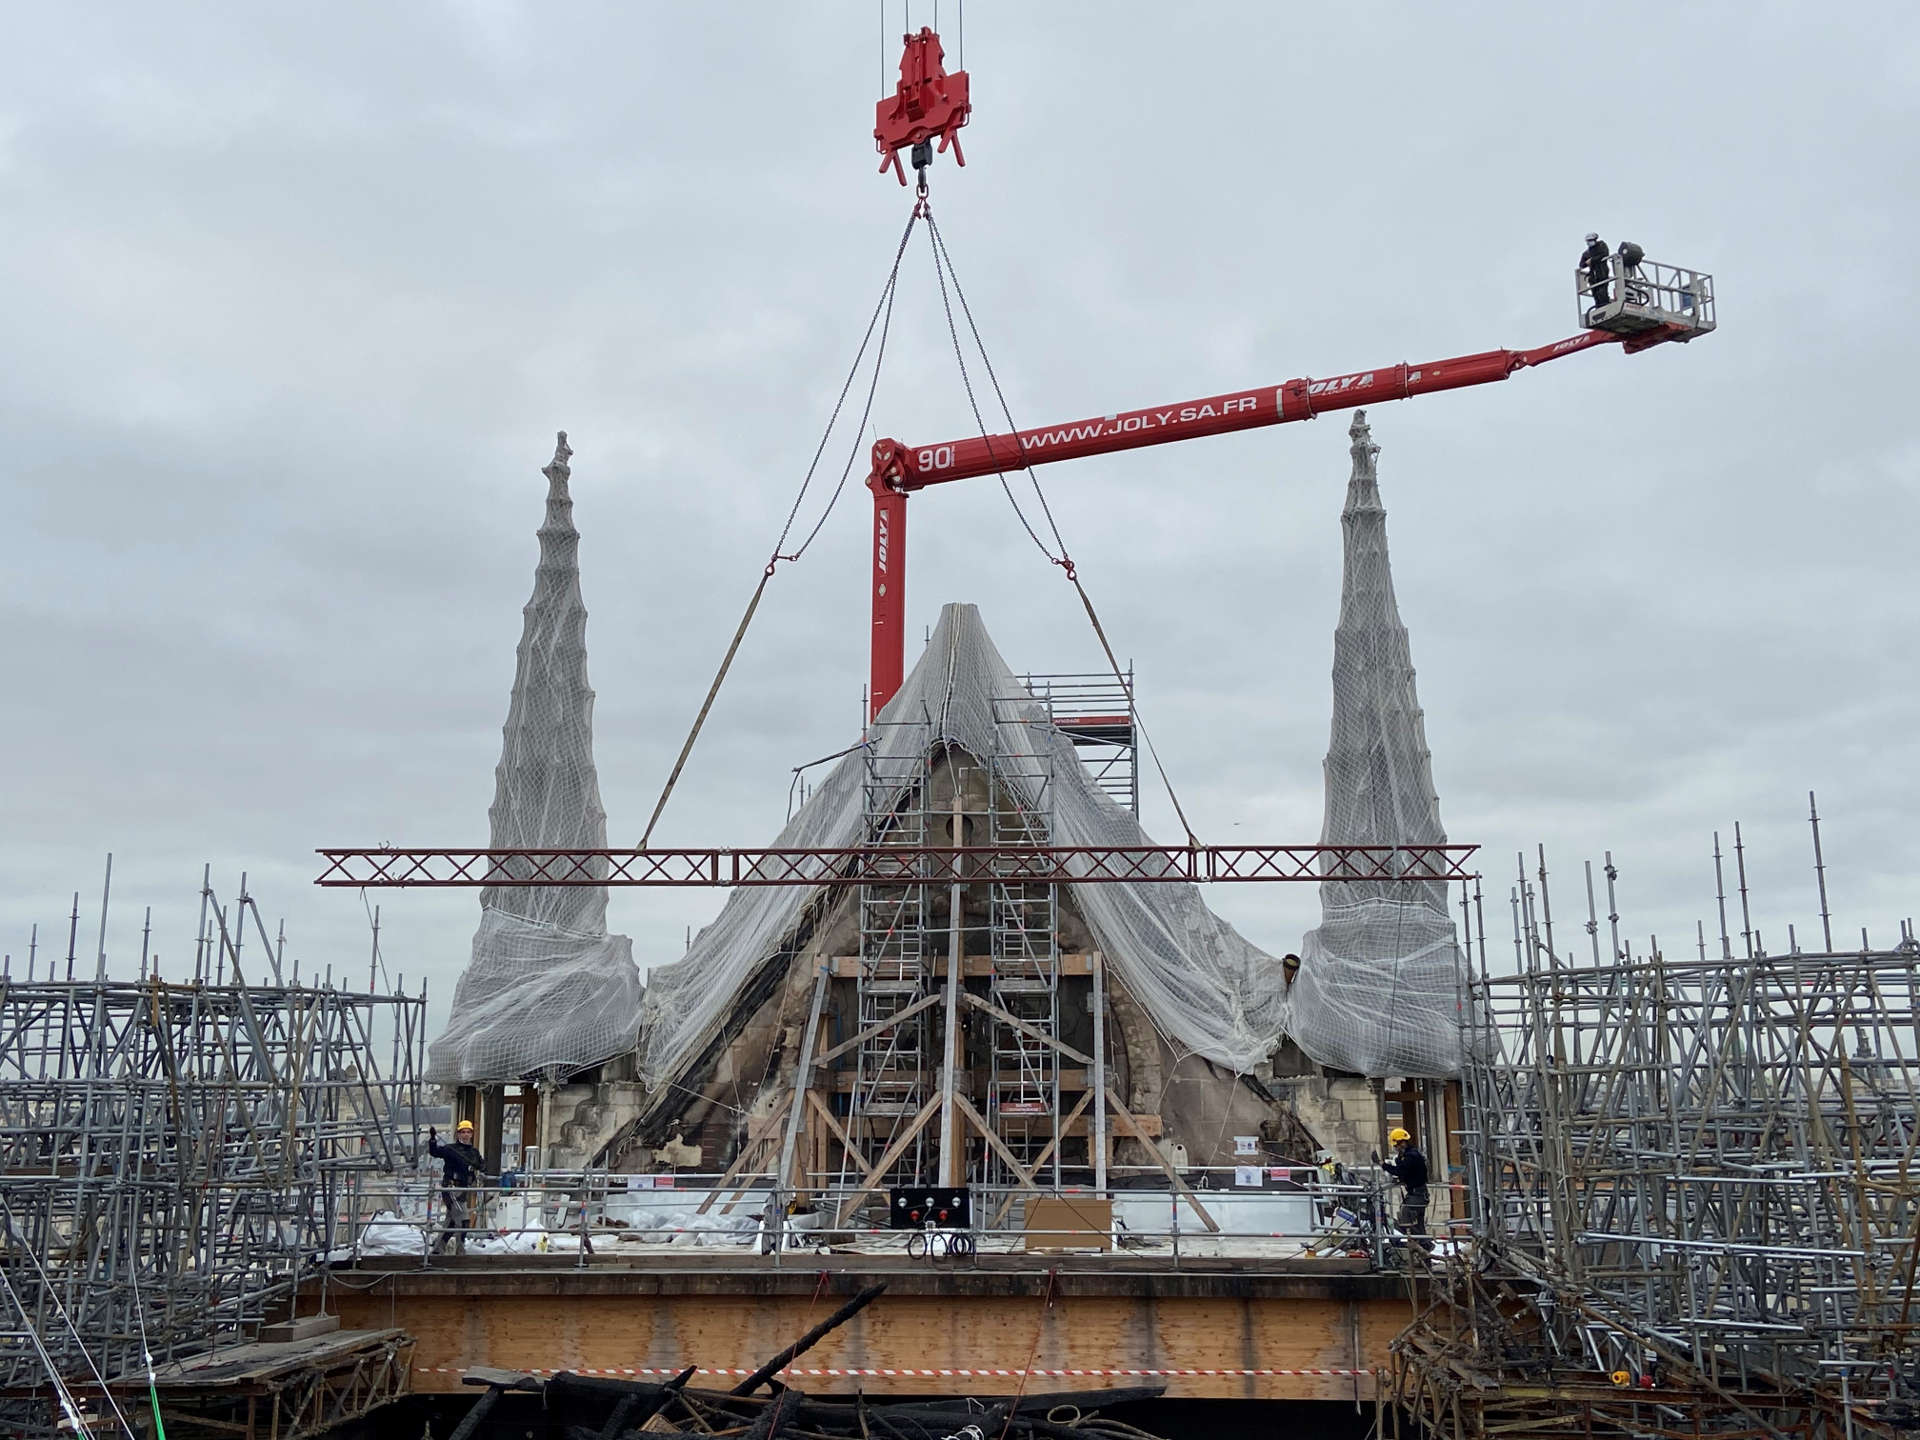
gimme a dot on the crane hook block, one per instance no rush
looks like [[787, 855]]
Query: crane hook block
[[927, 102]]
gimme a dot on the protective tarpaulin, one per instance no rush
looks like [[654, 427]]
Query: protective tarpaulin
[[1376, 992], [1205, 985], [546, 988]]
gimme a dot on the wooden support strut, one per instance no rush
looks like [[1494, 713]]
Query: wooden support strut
[[802, 1078], [854, 1152], [952, 1171], [1133, 1128], [739, 1164], [1097, 1141], [925, 1002], [1046, 1153], [978, 1121], [1033, 1030], [892, 1153]]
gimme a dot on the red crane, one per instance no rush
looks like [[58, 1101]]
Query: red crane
[[1649, 304], [899, 470]]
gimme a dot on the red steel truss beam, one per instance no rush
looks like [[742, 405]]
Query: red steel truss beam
[[895, 864]]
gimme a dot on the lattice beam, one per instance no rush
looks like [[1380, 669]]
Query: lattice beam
[[425, 868]]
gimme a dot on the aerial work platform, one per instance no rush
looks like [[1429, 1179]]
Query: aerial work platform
[[1642, 298]]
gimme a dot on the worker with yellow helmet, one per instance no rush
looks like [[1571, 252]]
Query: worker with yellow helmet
[[462, 1167], [1409, 1167]]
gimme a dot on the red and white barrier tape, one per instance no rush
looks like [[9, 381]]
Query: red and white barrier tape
[[910, 1373]]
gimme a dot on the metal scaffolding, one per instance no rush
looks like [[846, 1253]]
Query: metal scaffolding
[[895, 1064], [1096, 712], [173, 1154], [1692, 1179], [1024, 942]]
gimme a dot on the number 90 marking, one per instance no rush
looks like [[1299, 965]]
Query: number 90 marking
[[938, 458]]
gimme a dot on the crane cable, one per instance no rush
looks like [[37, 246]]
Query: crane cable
[[943, 269], [883, 318]]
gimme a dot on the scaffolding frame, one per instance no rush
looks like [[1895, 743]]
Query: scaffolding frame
[[175, 1154], [1024, 1089], [1691, 1179], [1096, 712], [892, 1077]]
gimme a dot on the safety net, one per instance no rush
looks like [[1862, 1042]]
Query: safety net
[[546, 989], [1377, 990], [1208, 988]]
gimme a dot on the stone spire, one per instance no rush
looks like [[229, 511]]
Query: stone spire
[[547, 991], [1376, 990], [1379, 774], [545, 790]]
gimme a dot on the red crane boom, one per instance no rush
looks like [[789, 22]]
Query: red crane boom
[[899, 470]]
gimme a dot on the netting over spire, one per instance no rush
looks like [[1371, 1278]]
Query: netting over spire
[[1205, 985], [1376, 992], [546, 988]]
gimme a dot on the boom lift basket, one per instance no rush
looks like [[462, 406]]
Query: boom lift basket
[[1646, 297]]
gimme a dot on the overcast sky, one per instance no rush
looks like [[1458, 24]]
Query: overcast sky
[[296, 296]]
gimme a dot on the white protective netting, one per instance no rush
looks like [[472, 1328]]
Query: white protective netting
[[546, 987], [1204, 984], [1377, 992]]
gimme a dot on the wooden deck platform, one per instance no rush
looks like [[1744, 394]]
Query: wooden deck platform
[[269, 1390], [1239, 1329]]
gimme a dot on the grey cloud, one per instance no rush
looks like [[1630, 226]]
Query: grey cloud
[[294, 306]]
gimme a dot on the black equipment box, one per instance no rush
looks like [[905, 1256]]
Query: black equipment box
[[914, 1207]]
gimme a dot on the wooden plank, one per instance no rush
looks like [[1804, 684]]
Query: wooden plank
[[1060, 1222], [1172, 1336], [261, 1360], [974, 967], [1073, 1079]]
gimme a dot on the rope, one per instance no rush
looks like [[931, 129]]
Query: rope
[[1046, 1305], [943, 267], [883, 317], [1138, 723], [67, 1401]]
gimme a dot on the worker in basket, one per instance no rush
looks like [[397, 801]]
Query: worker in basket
[[1409, 1167], [1595, 257], [462, 1166]]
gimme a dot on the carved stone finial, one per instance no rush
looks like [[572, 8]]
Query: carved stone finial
[[562, 452], [1361, 434]]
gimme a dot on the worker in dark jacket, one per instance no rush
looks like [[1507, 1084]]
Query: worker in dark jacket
[[461, 1168], [1409, 1167], [1594, 257]]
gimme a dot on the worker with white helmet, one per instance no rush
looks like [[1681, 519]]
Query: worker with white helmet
[[1409, 1167], [1594, 257]]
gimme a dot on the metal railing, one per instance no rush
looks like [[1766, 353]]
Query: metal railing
[[1651, 290], [596, 1216]]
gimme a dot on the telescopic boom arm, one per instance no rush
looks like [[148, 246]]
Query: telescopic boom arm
[[899, 470]]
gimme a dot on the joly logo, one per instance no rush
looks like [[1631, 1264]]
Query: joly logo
[[1344, 382]]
